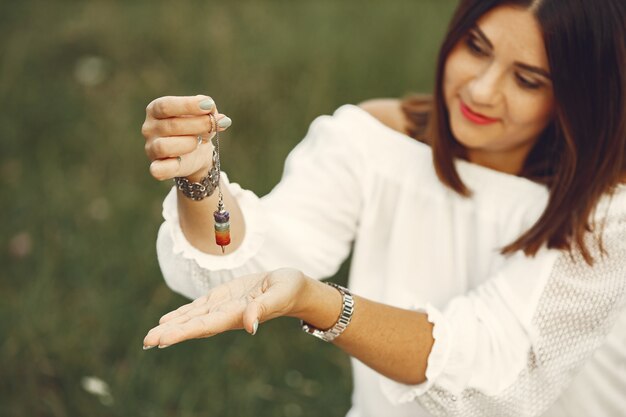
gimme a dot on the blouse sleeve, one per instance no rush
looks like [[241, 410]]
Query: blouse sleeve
[[308, 221], [511, 346]]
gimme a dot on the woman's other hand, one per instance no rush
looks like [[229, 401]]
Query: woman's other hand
[[243, 302], [171, 130]]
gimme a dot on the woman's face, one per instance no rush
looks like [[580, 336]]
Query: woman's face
[[498, 90]]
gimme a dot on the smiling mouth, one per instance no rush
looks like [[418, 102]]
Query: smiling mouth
[[475, 117]]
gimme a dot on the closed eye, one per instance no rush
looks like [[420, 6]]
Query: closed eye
[[525, 83], [474, 47]]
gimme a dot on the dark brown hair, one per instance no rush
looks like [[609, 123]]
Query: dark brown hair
[[582, 153]]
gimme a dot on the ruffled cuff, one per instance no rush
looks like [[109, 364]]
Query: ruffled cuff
[[255, 225], [398, 393]]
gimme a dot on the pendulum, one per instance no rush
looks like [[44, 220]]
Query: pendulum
[[222, 225], [221, 216]]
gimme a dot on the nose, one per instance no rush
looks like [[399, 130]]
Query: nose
[[485, 87]]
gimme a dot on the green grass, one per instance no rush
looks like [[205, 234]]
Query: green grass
[[80, 283]]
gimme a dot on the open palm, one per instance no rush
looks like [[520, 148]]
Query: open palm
[[240, 303]]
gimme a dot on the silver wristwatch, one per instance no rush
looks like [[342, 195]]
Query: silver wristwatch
[[344, 319]]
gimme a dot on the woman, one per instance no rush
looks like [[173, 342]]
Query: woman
[[489, 267]]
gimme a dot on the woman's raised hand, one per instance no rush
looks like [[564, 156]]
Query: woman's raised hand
[[171, 129], [243, 302]]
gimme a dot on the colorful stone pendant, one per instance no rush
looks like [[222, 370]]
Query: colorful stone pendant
[[222, 225]]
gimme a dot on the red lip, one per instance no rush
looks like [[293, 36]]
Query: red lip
[[476, 117]]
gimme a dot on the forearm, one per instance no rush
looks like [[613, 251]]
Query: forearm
[[392, 341], [197, 223]]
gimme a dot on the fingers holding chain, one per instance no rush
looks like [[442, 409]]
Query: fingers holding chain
[[177, 155], [201, 138]]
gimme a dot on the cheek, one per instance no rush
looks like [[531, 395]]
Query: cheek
[[531, 110], [458, 71], [453, 75]]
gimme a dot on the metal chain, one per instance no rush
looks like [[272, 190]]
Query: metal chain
[[220, 204]]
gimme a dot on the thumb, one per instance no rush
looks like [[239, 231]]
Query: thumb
[[263, 308], [252, 316]]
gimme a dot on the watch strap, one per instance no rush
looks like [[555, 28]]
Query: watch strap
[[344, 318]]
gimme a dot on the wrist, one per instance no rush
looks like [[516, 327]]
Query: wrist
[[199, 189], [200, 174], [319, 305]]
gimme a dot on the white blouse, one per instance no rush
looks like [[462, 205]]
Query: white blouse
[[514, 336]]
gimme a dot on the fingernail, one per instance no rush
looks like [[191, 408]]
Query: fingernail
[[163, 346], [207, 104], [224, 122], [147, 347], [255, 326]]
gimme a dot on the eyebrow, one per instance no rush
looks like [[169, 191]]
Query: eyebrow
[[526, 67]]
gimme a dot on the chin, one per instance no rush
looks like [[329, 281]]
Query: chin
[[467, 136]]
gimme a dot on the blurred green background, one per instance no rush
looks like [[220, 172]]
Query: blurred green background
[[80, 283]]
